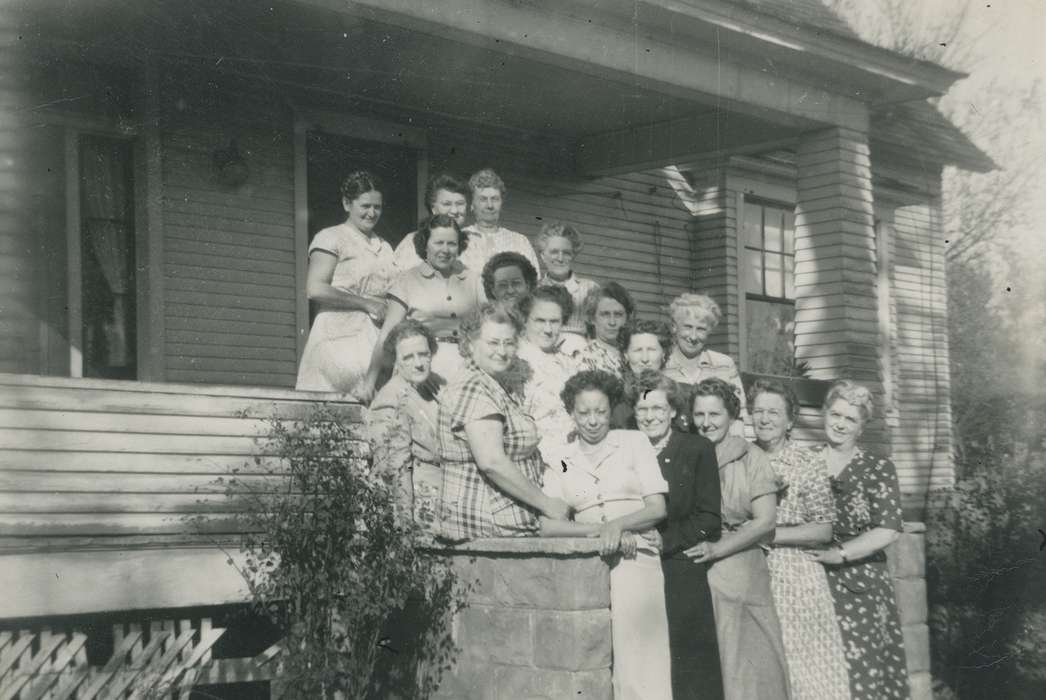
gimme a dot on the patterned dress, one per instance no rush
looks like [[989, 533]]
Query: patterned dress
[[337, 354], [471, 505], [546, 374], [816, 666], [599, 355], [750, 647], [867, 496]]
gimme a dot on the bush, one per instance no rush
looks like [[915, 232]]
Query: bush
[[985, 575], [341, 569]]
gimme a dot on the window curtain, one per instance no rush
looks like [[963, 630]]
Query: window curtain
[[106, 231]]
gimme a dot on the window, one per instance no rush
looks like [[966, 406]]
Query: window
[[768, 234]]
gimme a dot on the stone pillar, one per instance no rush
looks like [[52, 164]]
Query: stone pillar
[[537, 623], [907, 562]]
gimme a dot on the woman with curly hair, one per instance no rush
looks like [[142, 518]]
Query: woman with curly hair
[[488, 443], [868, 519], [612, 481], [438, 292], [688, 463], [545, 367], [607, 309], [350, 269], [751, 652], [805, 513], [645, 345], [401, 421], [558, 245], [508, 277]]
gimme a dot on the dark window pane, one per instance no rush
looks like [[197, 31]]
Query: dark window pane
[[771, 337], [774, 275], [752, 225], [772, 229], [754, 271]]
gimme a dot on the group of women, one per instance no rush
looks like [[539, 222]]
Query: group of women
[[513, 403]]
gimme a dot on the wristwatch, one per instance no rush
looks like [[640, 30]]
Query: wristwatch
[[842, 553]]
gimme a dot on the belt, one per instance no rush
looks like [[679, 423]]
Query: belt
[[449, 339]]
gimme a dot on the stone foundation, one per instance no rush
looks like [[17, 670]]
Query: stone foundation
[[537, 625], [907, 562]]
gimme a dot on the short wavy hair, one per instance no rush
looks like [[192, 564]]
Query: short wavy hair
[[610, 290], [854, 394], [638, 385], [690, 303], [443, 181], [591, 380], [774, 386], [714, 386], [358, 183], [472, 324], [409, 328], [421, 238], [508, 259], [486, 178], [558, 229], [552, 293], [641, 326]]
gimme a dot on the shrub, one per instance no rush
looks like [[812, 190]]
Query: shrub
[[341, 569], [985, 575]]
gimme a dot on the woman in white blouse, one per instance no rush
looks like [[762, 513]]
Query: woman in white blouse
[[612, 480]]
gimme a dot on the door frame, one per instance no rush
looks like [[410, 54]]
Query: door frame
[[357, 127]]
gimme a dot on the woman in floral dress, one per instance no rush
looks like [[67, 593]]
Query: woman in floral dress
[[805, 512], [607, 309], [350, 269], [868, 519]]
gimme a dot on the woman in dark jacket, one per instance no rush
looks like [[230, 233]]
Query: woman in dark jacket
[[688, 463]]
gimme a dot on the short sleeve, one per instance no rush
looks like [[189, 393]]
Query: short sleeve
[[817, 501], [884, 496], [760, 473], [400, 290], [644, 462], [475, 403], [406, 257], [328, 241]]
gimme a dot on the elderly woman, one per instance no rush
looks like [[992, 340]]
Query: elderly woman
[[688, 463], [749, 633], [612, 481], [444, 194], [508, 277], [487, 442], [868, 519], [488, 235], [350, 269], [558, 246], [607, 309], [645, 346], [401, 421], [437, 292], [547, 367], [805, 512], [694, 317]]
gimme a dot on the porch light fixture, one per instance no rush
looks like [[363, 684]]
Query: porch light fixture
[[230, 165]]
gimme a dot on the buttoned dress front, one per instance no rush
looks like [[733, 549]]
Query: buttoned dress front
[[341, 341], [607, 484], [440, 303], [709, 364]]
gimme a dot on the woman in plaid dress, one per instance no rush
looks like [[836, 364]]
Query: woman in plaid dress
[[488, 444]]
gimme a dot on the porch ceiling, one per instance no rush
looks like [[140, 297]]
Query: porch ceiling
[[400, 70]]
